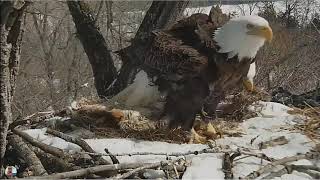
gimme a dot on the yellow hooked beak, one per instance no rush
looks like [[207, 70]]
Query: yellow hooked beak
[[262, 31]]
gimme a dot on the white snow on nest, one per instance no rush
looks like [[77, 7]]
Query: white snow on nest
[[272, 123]]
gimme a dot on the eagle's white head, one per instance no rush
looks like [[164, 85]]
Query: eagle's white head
[[243, 36]]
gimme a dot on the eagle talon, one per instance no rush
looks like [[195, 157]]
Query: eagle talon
[[196, 138], [248, 85], [211, 131]]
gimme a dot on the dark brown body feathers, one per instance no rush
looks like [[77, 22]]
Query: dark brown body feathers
[[186, 65]]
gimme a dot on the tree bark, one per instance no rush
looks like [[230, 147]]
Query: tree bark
[[95, 46], [160, 15], [11, 38]]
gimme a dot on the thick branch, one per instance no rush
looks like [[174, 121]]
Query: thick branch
[[95, 46], [28, 155], [49, 149]]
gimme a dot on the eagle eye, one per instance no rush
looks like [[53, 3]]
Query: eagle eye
[[250, 26]]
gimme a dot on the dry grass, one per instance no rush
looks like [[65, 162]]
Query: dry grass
[[311, 123], [236, 108], [166, 135]]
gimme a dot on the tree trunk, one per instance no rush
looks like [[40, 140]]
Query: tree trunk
[[160, 15], [95, 46], [11, 38]]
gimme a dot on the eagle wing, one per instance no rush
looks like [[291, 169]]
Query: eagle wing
[[183, 49], [200, 27], [170, 55]]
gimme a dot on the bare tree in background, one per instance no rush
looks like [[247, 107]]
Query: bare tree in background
[[11, 36], [160, 15]]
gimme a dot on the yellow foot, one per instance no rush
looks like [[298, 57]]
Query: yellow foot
[[196, 138], [210, 131], [248, 85]]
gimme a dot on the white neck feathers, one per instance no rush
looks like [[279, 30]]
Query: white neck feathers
[[233, 40]]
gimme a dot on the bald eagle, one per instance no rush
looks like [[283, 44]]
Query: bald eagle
[[193, 63]]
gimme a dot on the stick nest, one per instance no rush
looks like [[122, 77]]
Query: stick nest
[[311, 121]]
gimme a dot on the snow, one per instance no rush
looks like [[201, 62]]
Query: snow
[[204, 166], [273, 122]]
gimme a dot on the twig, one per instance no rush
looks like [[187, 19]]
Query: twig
[[83, 144], [49, 149], [258, 155], [274, 142], [25, 120], [113, 158], [139, 169], [93, 170], [267, 168], [27, 154]]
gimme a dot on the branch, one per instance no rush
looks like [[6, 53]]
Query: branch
[[139, 169], [113, 157], [49, 149], [258, 155], [95, 46], [53, 163], [83, 144], [289, 168], [93, 170], [29, 120], [227, 164], [27, 154], [203, 151], [269, 167]]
